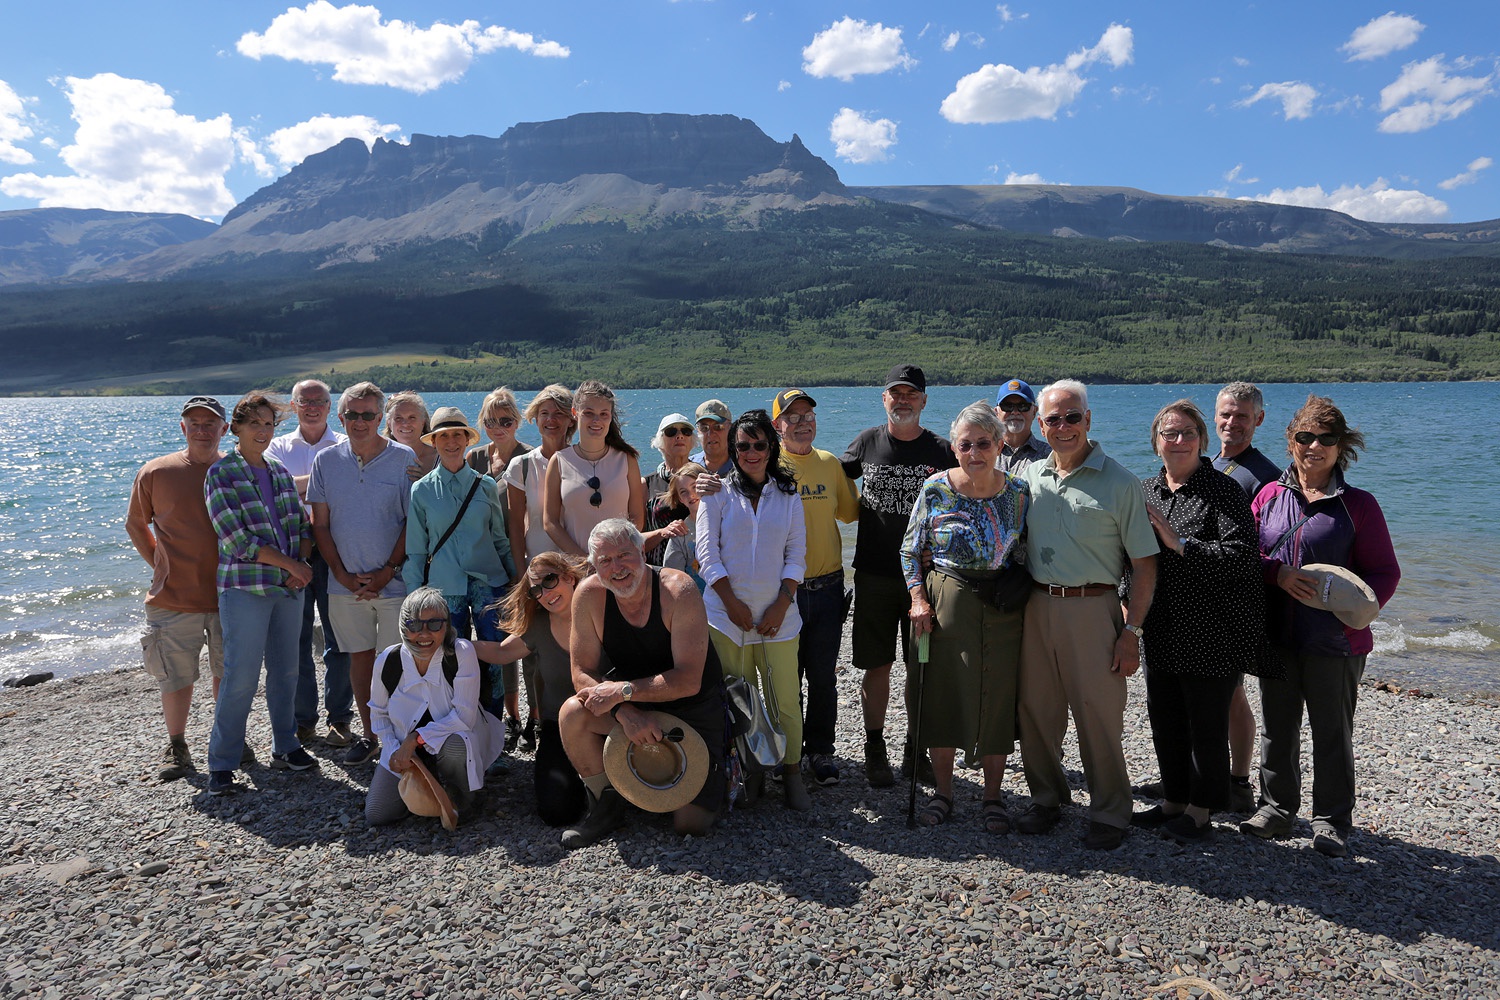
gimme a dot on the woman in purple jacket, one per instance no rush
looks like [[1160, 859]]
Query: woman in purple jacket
[[1311, 516]]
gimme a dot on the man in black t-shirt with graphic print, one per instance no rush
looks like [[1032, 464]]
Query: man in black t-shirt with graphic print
[[894, 460]]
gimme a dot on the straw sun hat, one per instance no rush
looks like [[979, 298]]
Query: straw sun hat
[[658, 777], [424, 795]]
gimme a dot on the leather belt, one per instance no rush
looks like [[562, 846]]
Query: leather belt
[[1087, 590], [826, 580]]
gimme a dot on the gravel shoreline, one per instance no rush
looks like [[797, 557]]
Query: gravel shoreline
[[112, 885]]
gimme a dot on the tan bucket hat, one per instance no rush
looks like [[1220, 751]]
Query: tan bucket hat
[[448, 418], [658, 777]]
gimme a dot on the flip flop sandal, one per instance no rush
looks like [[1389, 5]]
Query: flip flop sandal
[[994, 817], [937, 811]]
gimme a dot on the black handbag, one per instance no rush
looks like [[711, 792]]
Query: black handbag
[[1007, 590]]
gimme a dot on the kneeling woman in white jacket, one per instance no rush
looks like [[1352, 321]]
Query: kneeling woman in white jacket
[[424, 699]]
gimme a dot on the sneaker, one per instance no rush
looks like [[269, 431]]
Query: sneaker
[[1329, 840], [1267, 824], [528, 736], [222, 783], [877, 765], [176, 761], [362, 751], [825, 771], [1038, 819], [605, 815], [247, 758], [1185, 830], [338, 735], [1103, 837], [307, 733], [498, 767], [293, 760], [1241, 797]]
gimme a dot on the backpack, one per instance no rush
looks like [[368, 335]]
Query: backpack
[[390, 676]]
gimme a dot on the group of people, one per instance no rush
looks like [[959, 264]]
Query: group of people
[[1020, 573]]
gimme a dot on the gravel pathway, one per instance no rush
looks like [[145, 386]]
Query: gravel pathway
[[112, 885]]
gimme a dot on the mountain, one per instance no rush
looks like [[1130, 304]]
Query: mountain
[[1115, 213], [40, 244]]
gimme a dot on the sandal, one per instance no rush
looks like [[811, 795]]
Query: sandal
[[996, 820], [937, 811]]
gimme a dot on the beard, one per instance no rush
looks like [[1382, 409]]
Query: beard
[[1014, 425]]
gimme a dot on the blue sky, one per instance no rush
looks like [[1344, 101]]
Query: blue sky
[[1387, 113]]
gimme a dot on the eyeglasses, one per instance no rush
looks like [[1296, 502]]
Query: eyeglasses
[[794, 419], [500, 423], [1009, 407], [313, 404], [424, 624], [1057, 419], [983, 444], [369, 415], [744, 446], [671, 432], [594, 484], [1187, 434], [1327, 439], [538, 589]]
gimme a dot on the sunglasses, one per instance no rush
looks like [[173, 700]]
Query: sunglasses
[[538, 589], [983, 444], [597, 498], [744, 446], [1058, 419], [500, 423], [424, 624], [793, 419], [672, 432], [367, 415], [1009, 407], [1327, 439]]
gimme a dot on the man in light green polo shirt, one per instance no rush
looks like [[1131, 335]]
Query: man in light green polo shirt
[[1087, 518]]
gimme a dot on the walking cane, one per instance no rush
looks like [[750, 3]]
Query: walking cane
[[916, 728]]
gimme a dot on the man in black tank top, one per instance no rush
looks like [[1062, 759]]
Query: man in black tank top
[[653, 627]]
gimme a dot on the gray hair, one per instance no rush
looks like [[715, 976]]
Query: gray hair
[[308, 383], [614, 531], [1072, 385], [1245, 392], [362, 390], [427, 599], [981, 415]]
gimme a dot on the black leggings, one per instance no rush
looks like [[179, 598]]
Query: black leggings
[[560, 795]]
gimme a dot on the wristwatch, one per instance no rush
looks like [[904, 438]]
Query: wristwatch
[[1140, 633], [627, 691]]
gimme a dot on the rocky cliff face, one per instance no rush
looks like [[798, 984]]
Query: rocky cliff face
[[41, 244]]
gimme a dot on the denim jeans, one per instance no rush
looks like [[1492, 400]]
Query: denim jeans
[[817, 662], [474, 607], [338, 692], [256, 629]]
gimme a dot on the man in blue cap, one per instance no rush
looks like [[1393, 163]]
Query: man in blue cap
[[1015, 405]]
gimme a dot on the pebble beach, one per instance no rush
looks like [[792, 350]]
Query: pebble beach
[[114, 885]]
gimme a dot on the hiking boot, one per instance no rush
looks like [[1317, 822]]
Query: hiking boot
[[1103, 837], [1038, 818], [176, 760], [293, 760], [528, 736], [247, 758], [605, 815], [877, 765], [1241, 796], [1329, 840], [338, 735], [1267, 824], [222, 783], [306, 733], [362, 751], [512, 733], [825, 771]]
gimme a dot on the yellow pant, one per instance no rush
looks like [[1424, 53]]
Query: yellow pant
[[773, 668]]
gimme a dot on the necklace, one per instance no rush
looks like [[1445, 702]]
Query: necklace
[[578, 448]]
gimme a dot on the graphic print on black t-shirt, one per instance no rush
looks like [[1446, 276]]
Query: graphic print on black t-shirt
[[893, 472]]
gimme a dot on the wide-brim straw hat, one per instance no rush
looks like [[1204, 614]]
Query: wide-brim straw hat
[[1342, 592], [658, 777], [424, 795], [448, 418]]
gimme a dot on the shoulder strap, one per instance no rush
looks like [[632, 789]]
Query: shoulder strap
[[450, 667], [1288, 534], [390, 671], [427, 566]]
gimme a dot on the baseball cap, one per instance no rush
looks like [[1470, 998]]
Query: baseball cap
[[713, 409], [204, 403], [787, 397], [909, 375], [1015, 387]]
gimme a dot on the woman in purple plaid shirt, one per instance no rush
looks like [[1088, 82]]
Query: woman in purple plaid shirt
[[264, 538]]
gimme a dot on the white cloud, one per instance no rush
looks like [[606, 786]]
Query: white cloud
[[1232, 175], [1001, 93], [1425, 95], [1007, 15], [1469, 176], [1015, 178], [133, 151], [748, 18], [13, 127], [783, 85], [859, 139], [951, 42], [1241, 61], [1378, 202], [1390, 32], [1296, 98], [849, 47], [362, 48], [296, 143]]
